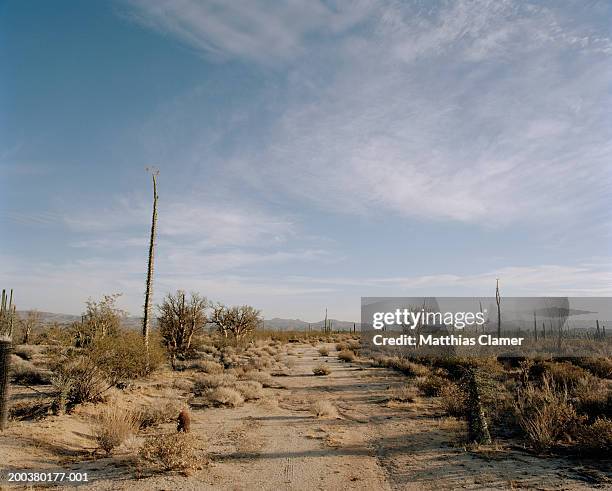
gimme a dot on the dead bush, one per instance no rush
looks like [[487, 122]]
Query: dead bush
[[264, 378], [346, 355], [78, 380], [208, 366], [546, 416], [597, 437], [404, 393], [24, 352], [113, 425], [207, 382], [249, 389], [224, 396], [158, 412], [324, 409], [324, 351], [24, 373], [454, 400], [172, 452], [321, 370], [432, 385]]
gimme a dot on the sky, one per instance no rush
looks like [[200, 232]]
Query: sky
[[309, 152]]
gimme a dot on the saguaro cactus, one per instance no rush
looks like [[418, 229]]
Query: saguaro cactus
[[146, 322], [478, 430], [8, 312], [5, 360]]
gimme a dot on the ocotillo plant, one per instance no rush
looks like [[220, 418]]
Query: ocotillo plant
[[5, 359], [146, 322]]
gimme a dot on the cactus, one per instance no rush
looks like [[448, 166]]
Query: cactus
[[8, 313], [5, 360], [478, 430]]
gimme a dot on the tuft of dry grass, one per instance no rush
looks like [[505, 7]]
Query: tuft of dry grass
[[432, 385], [324, 351], [404, 393], [224, 396], [264, 378], [113, 425], [172, 452], [207, 382], [321, 370], [208, 366], [158, 412], [454, 400], [249, 389], [324, 409]]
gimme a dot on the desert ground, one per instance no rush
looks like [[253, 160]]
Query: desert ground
[[362, 438]]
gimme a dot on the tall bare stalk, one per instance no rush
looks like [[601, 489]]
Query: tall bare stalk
[[146, 322]]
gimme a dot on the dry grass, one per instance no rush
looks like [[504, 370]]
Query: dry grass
[[404, 393], [324, 351], [249, 390], [158, 412], [324, 409], [113, 425], [224, 396], [264, 378], [346, 355], [207, 382], [321, 370], [173, 452], [208, 366], [432, 385]]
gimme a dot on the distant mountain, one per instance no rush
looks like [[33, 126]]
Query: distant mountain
[[276, 323]]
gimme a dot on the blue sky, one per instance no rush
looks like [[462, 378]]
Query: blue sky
[[310, 153]]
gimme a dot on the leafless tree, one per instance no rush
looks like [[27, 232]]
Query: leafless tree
[[179, 319], [29, 324], [101, 318], [237, 321]]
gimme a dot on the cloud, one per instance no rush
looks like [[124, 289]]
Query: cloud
[[250, 29]]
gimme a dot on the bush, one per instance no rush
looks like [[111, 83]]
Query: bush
[[161, 411], [224, 396], [346, 355], [23, 373], [113, 425], [208, 366], [404, 393], [432, 385], [323, 351], [324, 409], [207, 382], [173, 452], [454, 400], [122, 357], [24, 352], [321, 369], [249, 390], [78, 380], [264, 378], [600, 367], [546, 415], [597, 437]]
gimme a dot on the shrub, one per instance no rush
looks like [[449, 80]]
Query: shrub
[[404, 393], [161, 411], [122, 357], [432, 385], [208, 366], [342, 346], [324, 409], [173, 452], [264, 378], [546, 415], [224, 396], [207, 382], [24, 352], [321, 369], [597, 436], [249, 389], [23, 373], [453, 400], [600, 367], [78, 380], [346, 355], [113, 425], [323, 351]]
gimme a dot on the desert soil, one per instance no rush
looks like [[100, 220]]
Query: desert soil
[[371, 445]]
